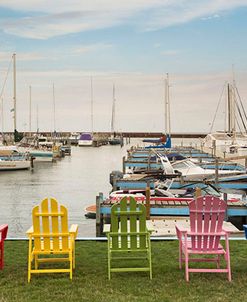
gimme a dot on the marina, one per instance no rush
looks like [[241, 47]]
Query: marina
[[123, 151], [55, 177]]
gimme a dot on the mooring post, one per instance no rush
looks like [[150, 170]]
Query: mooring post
[[148, 201], [98, 220], [123, 163], [214, 148], [216, 171], [198, 192], [114, 183], [31, 160], [225, 199], [149, 155]]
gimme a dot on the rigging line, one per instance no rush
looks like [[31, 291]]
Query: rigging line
[[217, 107], [241, 117], [239, 127], [242, 106], [5, 80]]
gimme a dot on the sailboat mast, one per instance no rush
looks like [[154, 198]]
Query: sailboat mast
[[167, 106], [229, 107], [92, 104], [30, 109], [2, 116], [54, 108], [14, 91], [113, 110], [37, 118]]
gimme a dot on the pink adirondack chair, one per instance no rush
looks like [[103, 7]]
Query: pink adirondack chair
[[203, 237], [3, 235]]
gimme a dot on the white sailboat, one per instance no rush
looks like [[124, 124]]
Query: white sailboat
[[35, 145], [115, 139], [86, 138], [10, 157], [231, 141]]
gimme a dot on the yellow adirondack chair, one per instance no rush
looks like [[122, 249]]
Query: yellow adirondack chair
[[49, 235]]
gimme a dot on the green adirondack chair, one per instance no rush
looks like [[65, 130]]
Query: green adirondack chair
[[128, 238]]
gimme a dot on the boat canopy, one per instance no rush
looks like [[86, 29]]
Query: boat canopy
[[86, 136]]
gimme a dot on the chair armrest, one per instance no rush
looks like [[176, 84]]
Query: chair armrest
[[181, 230], [73, 229], [3, 227], [150, 226], [180, 227], [3, 231], [29, 231], [225, 230], [107, 228]]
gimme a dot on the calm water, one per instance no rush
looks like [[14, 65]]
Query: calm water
[[74, 181]]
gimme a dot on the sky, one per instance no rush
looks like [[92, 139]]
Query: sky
[[82, 48]]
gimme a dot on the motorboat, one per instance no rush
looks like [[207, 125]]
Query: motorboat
[[86, 139]]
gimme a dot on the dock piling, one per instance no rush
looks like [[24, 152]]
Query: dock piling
[[148, 201], [99, 218]]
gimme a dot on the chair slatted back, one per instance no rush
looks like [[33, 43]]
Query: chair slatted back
[[206, 220], [128, 225], [50, 224]]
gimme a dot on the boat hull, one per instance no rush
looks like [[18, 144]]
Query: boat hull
[[7, 165], [40, 156], [84, 143]]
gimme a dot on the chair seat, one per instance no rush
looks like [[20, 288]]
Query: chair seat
[[60, 250], [219, 250]]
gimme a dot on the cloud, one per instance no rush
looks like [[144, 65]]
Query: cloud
[[171, 52], [45, 19], [210, 17], [92, 47]]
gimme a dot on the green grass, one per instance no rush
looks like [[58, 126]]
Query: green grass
[[90, 281]]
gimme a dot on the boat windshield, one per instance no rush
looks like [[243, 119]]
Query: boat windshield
[[86, 136]]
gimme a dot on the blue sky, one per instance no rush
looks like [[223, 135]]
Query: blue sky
[[132, 44]]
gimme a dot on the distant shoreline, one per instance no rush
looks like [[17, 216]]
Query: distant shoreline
[[124, 134]]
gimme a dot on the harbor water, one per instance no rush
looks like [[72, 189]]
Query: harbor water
[[74, 181]]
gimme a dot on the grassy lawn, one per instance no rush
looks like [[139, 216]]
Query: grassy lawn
[[90, 281]]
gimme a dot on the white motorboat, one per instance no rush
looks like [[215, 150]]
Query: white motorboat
[[11, 160], [86, 140]]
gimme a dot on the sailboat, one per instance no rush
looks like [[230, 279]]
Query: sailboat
[[36, 145], [86, 138], [10, 157], [230, 141], [114, 139], [165, 140]]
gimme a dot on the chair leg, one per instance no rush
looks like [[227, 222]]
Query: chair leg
[[227, 255], [150, 264], [71, 264], [109, 265], [186, 266], [29, 260], [73, 255], [1, 255], [218, 261], [180, 254], [36, 261]]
